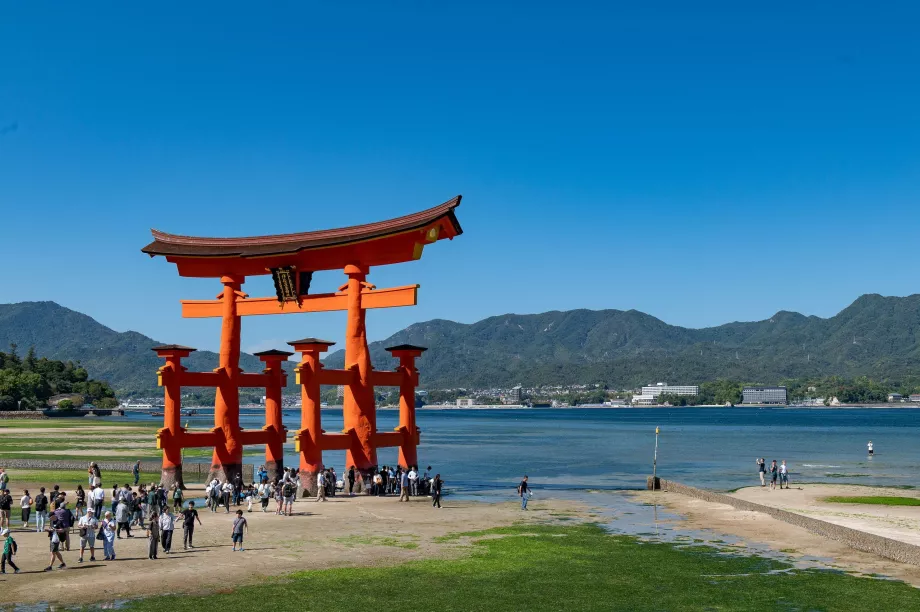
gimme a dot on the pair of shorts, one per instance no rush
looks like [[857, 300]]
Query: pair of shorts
[[55, 547], [237, 538], [89, 540], [289, 500]]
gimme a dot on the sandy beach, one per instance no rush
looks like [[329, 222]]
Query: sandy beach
[[343, 532], [897, 522]]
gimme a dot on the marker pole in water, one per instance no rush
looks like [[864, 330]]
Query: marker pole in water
[[655, 462]]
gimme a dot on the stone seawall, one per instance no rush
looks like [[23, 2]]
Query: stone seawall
[[860, 540], [191, 472], [22, 414]]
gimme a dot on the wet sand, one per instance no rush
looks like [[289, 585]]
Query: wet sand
[[760, 529]]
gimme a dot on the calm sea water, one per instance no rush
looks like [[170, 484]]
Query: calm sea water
[[485, 452]]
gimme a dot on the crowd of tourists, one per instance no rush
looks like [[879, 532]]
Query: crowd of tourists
[[99, 520]]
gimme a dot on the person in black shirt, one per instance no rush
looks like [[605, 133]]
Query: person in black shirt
[[189, 516], [523, 491], [6, 503], [41, 510], [436, 485]]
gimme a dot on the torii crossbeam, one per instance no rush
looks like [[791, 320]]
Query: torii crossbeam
[[291, 259]]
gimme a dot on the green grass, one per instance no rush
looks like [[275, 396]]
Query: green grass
[[539, 568], [396, 542], [879, 500], [73, 478], [67, 422]]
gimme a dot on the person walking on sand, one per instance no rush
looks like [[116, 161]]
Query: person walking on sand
[[25, 505], [81, 501], [88, 525], [10, 548], [56, 536], [321, 486], [403, 485], [288, 491], [761, 470], [167, 524], [524, 492], [774, 470], [264, 495], [41, 510], [6, 504], [189, 516], [4, 479], [239, 524], [123, 518], [153, 536], [783, 475], [136, 472], [108, 536], [351, 481], [436, 485], [177, 498]]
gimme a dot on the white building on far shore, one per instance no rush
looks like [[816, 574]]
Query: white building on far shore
[[664, 388]]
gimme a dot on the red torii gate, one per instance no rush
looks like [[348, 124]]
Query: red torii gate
[[291, 259]]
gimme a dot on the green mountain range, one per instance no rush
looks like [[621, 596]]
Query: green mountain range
[[874, 336]]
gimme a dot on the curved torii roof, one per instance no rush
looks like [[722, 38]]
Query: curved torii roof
[[380, 243]]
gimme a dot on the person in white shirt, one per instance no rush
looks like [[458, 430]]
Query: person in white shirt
[[98, 494], [88, 525], [869, 445], [226, 490], [783, 475], [25, 504], [167, 524], [413, 482], [321, 486]]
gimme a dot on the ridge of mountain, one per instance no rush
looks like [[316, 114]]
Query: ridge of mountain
[[873, 336]]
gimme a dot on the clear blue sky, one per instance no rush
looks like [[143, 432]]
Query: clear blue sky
[[702, 162]]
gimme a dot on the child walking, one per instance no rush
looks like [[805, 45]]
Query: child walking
[[9, 549], [239, 524]]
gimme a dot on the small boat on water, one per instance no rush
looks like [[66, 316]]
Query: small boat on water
[[156, 414]]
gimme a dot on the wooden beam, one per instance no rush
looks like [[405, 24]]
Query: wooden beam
[[321, 302]]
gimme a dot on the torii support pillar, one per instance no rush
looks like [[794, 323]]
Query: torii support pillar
[[168, 438], [359, 411], [227, 460], [277, 433], [407, 354], [308, 439]]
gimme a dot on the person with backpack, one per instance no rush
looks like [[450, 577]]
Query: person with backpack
[[65, 517], [10, 548], [239, 524], [177, 498], [4, 479], [41, 510], [87, 526], [56, 535], [288, 491]]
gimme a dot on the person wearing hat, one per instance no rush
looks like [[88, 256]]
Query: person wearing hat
[[88, 525], [9, 549]]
